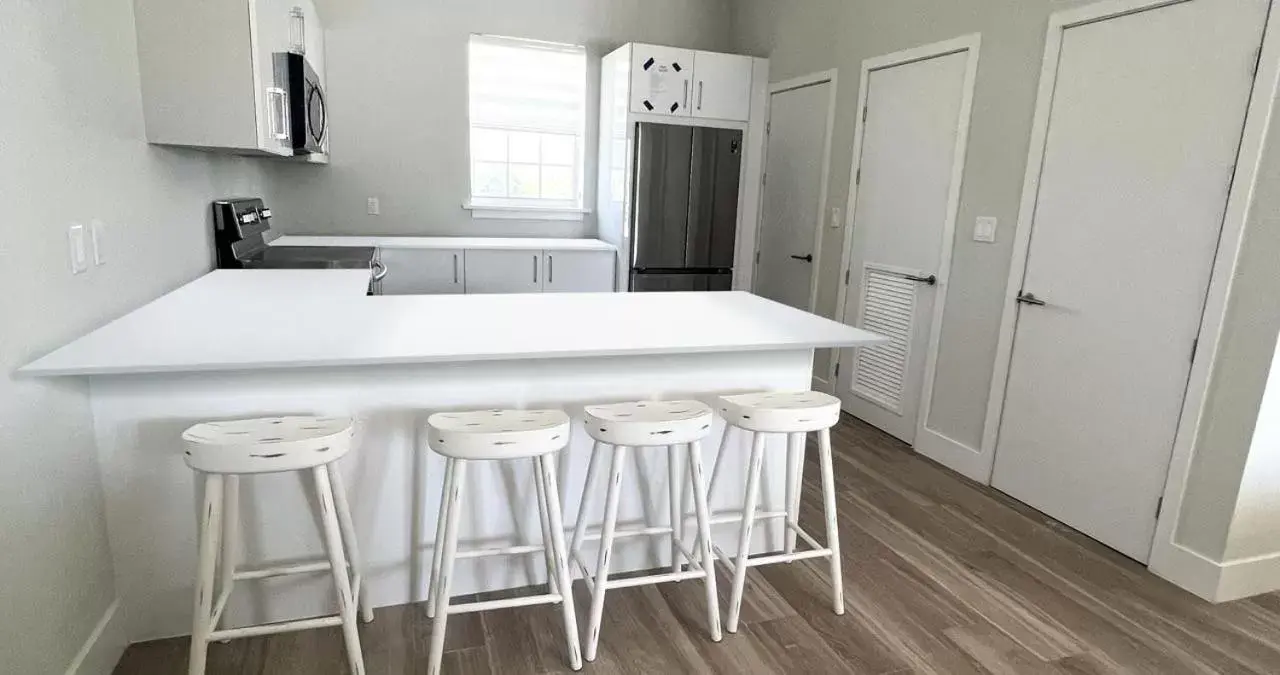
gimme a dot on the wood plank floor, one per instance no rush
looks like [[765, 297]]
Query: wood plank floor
[[941, 576]]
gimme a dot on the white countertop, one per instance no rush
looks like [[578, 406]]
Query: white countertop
[[491, 243], [256, 319]]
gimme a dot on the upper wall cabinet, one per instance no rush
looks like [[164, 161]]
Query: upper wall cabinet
[[211, 75], [685, 82]]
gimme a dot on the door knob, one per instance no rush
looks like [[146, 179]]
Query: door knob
[[932, 279], [1030, 299], [807, 258]]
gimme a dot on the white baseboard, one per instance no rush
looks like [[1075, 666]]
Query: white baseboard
[[1216, 581], [106, 644], [953, 454]]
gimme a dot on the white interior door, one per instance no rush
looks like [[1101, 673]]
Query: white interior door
[[1147, 113], [913, 120], [795, 162]]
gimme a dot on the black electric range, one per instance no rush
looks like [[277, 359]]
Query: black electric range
[[243, 235]]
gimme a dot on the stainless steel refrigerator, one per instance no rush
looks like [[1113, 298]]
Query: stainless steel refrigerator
[[685, 222]]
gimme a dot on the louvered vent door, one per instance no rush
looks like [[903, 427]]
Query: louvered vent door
[[888, 309]]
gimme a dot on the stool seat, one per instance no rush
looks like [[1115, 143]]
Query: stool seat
[[648, 423], [267, 445], [781, 411], [498, 434]]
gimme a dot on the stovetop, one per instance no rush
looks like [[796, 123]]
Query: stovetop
[[311, 257]]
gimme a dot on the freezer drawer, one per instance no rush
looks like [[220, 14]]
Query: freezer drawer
[[654, 282]]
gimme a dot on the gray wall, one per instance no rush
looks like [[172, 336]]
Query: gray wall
[[72, 150], [804, 36], [397, 83]]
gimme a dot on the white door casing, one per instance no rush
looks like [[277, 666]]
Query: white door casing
[[797, 158], [904, 194], [1137, 132]]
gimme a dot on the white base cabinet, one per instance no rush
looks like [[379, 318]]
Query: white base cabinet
[[422, 271], [431, 271], [533, 271]]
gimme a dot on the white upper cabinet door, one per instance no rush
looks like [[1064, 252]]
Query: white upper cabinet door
[[271, 22], [722, 86], [508, 271], [578, 271], [417, 271], [661, 80]]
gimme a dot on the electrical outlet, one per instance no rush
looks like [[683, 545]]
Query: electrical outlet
[[97, 240], [75, 241], [984, 230], [374, 208]]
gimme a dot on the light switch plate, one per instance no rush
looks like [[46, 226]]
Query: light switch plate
[[836, 214], [97, 237], [984, 230], [374, 208], [75, 241]]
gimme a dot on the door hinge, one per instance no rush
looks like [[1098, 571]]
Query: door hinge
[[857, 177], [1159, 506], [846, 277], [757, 257], [864, 114], [1195, 344], [1257, 61], [764, 179], [837, 369], [768, 128]]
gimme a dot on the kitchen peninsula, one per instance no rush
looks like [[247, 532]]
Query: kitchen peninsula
[[243, 343]]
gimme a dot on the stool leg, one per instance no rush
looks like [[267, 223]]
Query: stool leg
[[560, 561], [744, 536], [445, 578], [606, 548], [795, 466], [338, 563], [584, 504], [715, 465], [704, 539], [358, 582], [437, 553], [210, 531], [833, 528], [677, 512], [230, 553], [540, 487]]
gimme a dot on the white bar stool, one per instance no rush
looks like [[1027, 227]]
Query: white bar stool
[[793, 414], [463, 437], [224, 451], [635, 425]]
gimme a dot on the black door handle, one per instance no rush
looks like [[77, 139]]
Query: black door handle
[[806, 258], [932, 279], [1030, 299]]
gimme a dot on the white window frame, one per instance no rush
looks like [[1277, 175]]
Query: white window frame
[[515, 208]]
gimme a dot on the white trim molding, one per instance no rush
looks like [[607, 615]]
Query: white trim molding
[[1191, 570], [928, 441], [104, 647], [831, 76]]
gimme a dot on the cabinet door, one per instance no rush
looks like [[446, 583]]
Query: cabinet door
[[417, 271], [578, 271], [270, 22], [722, 86], [661, 80], [503, 271]]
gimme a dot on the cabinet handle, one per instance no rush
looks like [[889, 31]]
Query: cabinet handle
[[551, 269], [279, 118], [455, 268], [298, 30], [699, 94], [686, 94], [535, 269]]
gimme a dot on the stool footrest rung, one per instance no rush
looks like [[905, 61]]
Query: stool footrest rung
[[523, 601], [723, 518], [281, 570], [274, 628], [499, 550], [654, 579], [630, 532]]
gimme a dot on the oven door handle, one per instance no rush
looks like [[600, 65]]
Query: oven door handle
[[379, 271]]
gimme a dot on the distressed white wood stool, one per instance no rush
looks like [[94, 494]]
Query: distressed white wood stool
[[464, 437], [224, 451], [793, 415], [624, 426]]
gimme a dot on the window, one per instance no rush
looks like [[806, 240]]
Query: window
[[528, 107]]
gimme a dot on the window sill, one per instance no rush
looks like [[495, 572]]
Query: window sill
[[496, 212]]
